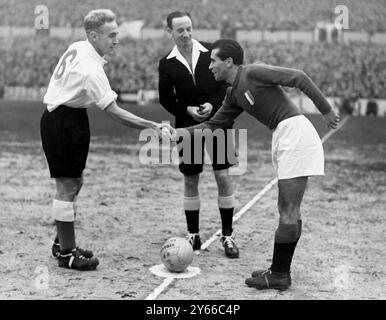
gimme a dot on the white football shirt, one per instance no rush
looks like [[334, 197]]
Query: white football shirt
[[79, 80]]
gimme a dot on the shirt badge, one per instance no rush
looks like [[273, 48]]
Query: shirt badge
[[248, 95]]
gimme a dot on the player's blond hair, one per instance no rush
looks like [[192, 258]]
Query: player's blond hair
[[97, 18]]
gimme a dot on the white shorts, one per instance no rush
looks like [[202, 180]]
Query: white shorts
[[297, 150]]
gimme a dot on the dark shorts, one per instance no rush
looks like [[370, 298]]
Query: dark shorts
[[65, 134], [221, 152]]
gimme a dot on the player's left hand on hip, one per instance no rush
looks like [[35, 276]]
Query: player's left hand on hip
[[332, 119]]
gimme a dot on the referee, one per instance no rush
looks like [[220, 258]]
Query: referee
[[79, 82], [188, 90]]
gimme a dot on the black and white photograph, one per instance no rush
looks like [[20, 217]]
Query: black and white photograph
[[178, 150]]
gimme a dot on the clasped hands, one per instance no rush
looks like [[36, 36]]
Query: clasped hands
[[200, 113], [166, 132]]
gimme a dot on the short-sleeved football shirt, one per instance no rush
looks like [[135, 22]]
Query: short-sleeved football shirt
[[79, 80]]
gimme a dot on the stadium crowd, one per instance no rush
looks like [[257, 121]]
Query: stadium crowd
[[207, 14], [338, 69]]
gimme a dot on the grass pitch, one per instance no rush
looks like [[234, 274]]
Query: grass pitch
[[127, 210]]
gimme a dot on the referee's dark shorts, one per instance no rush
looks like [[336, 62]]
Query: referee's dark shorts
[[65, 134], [218, 153]]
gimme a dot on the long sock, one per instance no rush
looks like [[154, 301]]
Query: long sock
[[63, 213], [226, 207], [285, 243], [192, 209], [66, 235], [75, 207], [192, 220], [226, 221], [297, 238], [56, 240]]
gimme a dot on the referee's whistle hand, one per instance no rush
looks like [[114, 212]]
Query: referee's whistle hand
[[205, 109], [194, 113]]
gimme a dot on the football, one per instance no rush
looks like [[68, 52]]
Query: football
[[176, 254]]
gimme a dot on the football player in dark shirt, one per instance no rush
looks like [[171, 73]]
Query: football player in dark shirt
[[297, 151]]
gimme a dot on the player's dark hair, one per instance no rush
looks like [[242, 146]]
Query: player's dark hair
[[176, 14], [97, 18], [229, 48]]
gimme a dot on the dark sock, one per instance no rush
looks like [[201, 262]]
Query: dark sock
[[297, 239], [285, 243], [192, 220], [282, 256], [66, 235], [226, 221]]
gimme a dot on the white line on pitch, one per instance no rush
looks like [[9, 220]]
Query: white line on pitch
[[242, 211], [157, 291]]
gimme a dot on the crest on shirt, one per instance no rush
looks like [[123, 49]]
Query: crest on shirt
[[248, 95]]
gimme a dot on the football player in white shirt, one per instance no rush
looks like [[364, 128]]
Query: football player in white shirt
[[79, 82]]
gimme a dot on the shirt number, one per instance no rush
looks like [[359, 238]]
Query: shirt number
[[70, 55]]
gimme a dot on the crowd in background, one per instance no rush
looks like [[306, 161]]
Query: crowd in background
[[366, 15], [355, 68], [338, 69]]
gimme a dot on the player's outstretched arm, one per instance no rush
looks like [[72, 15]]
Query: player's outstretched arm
[[131, 120], [128, 119]]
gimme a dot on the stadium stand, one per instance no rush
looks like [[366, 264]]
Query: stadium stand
[[339, 69], [257, 14]]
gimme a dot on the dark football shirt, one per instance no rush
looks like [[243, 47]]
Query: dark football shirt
[[257, 90]]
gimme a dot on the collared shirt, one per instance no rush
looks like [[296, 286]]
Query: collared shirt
[[79, 80], [196, 49]]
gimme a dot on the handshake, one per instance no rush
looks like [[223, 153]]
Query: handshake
[[200, 113], [166, 132]]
